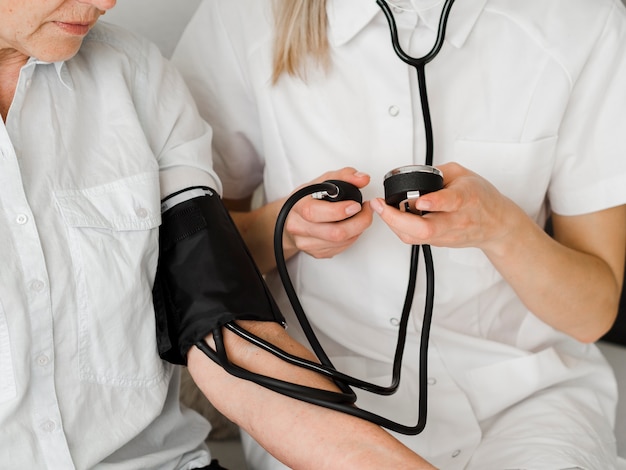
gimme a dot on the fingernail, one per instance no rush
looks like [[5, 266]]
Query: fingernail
[[423, 204], [360, 174], [377, 206], [353, 209]]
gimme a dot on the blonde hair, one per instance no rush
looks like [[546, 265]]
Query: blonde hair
[[300, 33]]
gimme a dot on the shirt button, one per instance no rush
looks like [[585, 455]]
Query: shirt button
[[394, 322], [432, 381], [456, 453], [48, 426], [29, 82], [43, 361], [141, 213], [37, 286], [21, 219], [393, 111]]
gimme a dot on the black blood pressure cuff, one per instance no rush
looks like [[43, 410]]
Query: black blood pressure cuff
[[205, 277]]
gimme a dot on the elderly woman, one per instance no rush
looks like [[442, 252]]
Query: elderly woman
[[96, 129]]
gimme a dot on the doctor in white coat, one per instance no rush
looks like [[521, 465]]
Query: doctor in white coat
[[527, 102]]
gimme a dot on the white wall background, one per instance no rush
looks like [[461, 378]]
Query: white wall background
[[162, 21]]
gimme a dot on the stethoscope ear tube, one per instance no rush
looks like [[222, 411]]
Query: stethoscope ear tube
[[417, 62]]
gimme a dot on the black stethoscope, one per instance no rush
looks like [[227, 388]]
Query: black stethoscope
[[398, 184]]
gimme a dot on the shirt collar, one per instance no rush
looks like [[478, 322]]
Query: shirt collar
[[61, 69], [348, 17], [64, 75]]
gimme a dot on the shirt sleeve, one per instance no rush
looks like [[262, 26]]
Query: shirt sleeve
[[214, 66], [177, 134], [590, 170]]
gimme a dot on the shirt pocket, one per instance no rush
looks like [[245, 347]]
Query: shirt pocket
[[521, 171], [113, 240], [8, 389]]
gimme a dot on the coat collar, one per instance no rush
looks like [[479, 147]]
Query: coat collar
[[348, 17]]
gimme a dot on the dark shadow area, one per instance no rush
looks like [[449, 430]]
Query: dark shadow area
[[617, 334]]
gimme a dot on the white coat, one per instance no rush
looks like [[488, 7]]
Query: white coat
[[531, 96]]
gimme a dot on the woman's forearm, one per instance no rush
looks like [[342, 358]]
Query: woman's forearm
[[299, 434], [573, 281], [257, 229]]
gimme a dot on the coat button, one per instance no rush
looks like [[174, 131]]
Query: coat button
[[393, 111]]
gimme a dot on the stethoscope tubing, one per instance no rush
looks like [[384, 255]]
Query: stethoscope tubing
[[395, 41], [303, 319], [419, 63]]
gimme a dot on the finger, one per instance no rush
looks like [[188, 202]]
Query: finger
[[451, 171], [451, 197], [406, 225], [320, 249], [448, 199], [333, 231], [319, 211], [348, 174]]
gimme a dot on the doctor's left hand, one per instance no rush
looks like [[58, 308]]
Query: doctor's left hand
[[324, 229]]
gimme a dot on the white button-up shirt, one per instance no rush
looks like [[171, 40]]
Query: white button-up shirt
[[85, 145], [528, 94]]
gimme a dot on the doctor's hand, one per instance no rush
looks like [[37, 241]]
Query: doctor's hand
[[468, 212], [584, 258], [324, 229]]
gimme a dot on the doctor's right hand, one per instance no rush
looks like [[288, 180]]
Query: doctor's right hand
[[324, 229]]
